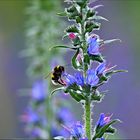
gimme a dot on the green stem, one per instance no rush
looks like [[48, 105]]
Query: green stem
[[87, 106], [49, 111], [87, 115]]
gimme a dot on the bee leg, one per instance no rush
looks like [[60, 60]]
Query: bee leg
[[62, 82]]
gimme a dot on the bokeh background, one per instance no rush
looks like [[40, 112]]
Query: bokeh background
[[123, 96]]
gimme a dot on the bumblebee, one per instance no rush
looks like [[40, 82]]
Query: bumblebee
[[56, 75]]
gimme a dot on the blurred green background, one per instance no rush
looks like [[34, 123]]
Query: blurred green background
[[123, 96]]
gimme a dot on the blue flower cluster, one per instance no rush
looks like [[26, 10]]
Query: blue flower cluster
[[92, 76], [83, 85], [38, 92], [35, 115]]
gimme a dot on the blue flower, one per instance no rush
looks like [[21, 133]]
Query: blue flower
[[103, 120], [79, 79], [69, 79], [93, 46], [35, 132], [77, 130], [91, 78], [30, 116], [65, 116], [54, 132], [101, 68], [64, 133], [38, 91]]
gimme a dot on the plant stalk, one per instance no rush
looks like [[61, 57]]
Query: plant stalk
[[87, 115], [87, 105]]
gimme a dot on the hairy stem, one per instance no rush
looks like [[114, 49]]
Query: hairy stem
[[87, 115], [87, 105]]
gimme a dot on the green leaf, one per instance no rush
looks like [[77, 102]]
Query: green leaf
[[81, 3], [74, 62], [64, 36], [86, 59], [72, 28], [97, 6], [57, 89], [73, 15], [78, 19], [110, 130], [103, 129], [98, 58], [62, 14], [97, 97], [71, 9], [103, 78], [86, 62], [108, 74], [90, 13], [73, 86], [78, 97], [72, 12], [63, 46], [76, 41], [100, 18], [91, 26]]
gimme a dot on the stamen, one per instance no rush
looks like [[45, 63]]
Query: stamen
[[108, 69], [66, 127]]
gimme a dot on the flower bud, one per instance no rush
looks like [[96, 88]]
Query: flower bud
[[72, 36]]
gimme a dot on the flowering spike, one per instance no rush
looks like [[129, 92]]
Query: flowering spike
[[83, 85]]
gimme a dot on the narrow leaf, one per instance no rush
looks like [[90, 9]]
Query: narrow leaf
[[74, 96], [110, 130], [77, 96], [62, 14], [74, 63], [104, 128], [64, 36], [98, 58], [72, 28], [57, 89], [62, 46], [96, 97], [114, 72], [76, 41], [97, 6], [100, 18]]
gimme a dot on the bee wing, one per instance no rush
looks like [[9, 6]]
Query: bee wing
[[46, 76]]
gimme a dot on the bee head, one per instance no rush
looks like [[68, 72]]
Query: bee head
[[62, 68]]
